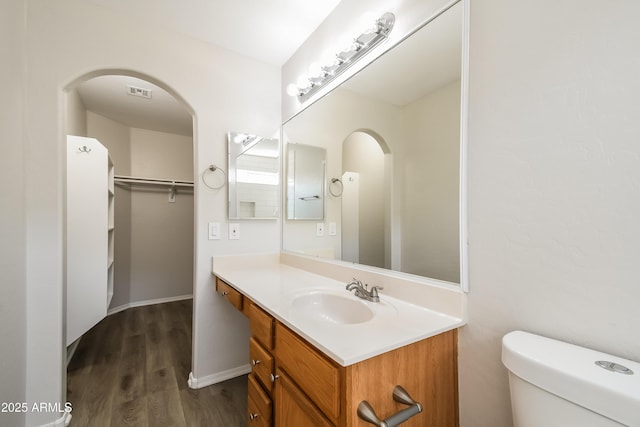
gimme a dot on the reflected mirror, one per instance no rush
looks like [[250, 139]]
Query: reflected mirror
[[253, 176], [305, 182], [392, 140]]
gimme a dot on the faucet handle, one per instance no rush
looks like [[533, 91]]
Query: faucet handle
[[374, 290]]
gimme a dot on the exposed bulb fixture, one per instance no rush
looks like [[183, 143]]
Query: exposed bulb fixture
[[350, 53]]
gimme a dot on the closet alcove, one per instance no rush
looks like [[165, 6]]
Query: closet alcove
[[149, 138]]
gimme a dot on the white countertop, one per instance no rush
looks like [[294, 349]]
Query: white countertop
[[274, 285]]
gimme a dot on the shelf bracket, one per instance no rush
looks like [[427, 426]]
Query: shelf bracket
[[172, 193]]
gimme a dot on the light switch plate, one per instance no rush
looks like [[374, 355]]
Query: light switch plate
[[214, 231], [332, 229]]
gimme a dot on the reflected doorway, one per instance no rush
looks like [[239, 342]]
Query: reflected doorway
[[364, 200]]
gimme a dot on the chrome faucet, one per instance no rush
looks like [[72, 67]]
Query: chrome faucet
[[362, 291]]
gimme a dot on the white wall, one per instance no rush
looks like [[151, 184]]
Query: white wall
[[554, 186], [65, 41], [161, 239], [76, 114], [430, 226], [153, 238], [12, 210]]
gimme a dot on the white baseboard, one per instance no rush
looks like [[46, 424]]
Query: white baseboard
[[71, 349], [123, 307], [63, 421], [218, 377]]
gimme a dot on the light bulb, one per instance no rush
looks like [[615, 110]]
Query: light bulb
[[315, 70], [368, 22], [292, 89], [303, 83]]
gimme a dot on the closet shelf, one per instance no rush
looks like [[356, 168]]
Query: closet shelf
[[131, 180]]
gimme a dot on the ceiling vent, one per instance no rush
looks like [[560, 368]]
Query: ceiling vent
[[138, 91]]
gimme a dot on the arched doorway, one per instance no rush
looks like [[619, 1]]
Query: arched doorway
[[153, 251], [365, 199]]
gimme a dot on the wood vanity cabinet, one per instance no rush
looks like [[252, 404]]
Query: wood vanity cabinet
[[292, 383]]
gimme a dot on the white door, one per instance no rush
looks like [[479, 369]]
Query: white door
[[351, 217]]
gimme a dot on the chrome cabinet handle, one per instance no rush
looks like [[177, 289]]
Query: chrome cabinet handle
[[255, 362], [274, 377], [400, 395], [225, 293], [253, 416]]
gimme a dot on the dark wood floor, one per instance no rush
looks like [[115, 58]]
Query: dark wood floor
[[131, 369]]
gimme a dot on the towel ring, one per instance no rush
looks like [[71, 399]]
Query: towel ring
[[211, 171], [340, 186]]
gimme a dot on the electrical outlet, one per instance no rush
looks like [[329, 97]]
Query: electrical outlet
[[234, 231], [320, 229]]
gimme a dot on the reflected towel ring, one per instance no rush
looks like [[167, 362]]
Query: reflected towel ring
[[340, 186], [211, 171]]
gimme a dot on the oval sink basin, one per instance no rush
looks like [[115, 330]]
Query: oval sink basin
[[332, 308]]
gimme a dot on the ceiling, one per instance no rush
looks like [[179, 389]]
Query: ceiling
[[433, 54], [108, 96], [268, 31]]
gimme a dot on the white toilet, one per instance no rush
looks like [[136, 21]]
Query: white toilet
[[555, 384]]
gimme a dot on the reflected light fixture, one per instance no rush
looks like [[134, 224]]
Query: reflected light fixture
[[320, 75], [245, 139]]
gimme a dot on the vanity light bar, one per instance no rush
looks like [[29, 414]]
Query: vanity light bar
[[345, 58]]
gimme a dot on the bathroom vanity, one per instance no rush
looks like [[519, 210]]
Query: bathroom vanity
[[317, 352]]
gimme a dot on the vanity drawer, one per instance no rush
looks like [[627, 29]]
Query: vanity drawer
[[261, 324], [261, 363], [234, 297], [259, 405], [316, 375]]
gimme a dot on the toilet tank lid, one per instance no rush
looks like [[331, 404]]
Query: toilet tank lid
[[571, 372]]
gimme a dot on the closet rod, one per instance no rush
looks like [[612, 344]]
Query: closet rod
[[151, 181]]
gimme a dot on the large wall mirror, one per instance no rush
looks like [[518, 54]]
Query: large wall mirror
[[392, 135], [254, 163]]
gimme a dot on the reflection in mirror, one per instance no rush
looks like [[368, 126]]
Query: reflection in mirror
[[305, 182], [253, 176], [392, 135]]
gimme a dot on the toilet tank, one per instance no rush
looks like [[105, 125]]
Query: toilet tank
[[553, 383]]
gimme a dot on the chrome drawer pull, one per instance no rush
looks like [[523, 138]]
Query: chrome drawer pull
[[254, 362], [274, 377], [225, 293], [253, 416], [400, 395]]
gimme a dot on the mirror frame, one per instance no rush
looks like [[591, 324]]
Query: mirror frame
[[464, 114], [232, 185]]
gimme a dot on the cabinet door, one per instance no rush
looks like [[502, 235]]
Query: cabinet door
[[293, 408], [258, 405], [316, 375]]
